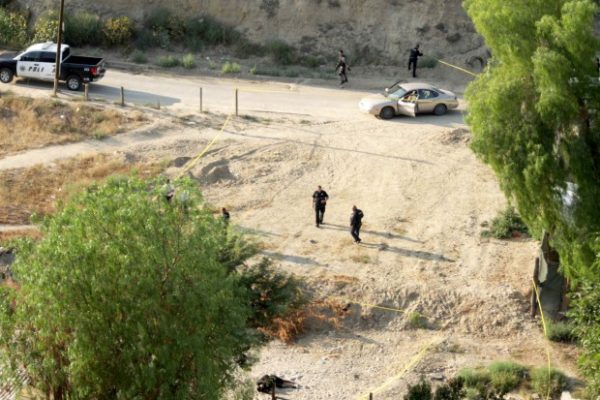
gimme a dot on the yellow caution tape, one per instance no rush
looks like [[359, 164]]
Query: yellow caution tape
[[537, 296], [415, 360], [466, 71], [208, 146], [369, 305]]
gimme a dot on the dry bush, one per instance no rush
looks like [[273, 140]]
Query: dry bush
[[27, 123], [322, 312], [37, 189]]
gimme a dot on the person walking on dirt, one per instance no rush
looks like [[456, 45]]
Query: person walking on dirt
[[355, 223], [342, 68], [320, 198], [412, 60]]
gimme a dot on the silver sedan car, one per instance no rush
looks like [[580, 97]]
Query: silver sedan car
[[409, 99]]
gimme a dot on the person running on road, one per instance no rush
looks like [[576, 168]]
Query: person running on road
[[412, 60], [320, 198], [342, 68], [355, 223]]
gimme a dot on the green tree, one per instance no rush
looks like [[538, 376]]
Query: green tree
[[13, 29], [534, 116], [127, 297]]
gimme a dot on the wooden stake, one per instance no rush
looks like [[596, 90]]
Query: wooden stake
[[122, 96], [236, 102], [200, 100], [86, 91]]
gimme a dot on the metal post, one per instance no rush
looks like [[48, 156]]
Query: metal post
[[200, 100], [58, 46], [273, 397], [370, 396], [158, 104], [122, 97], [86, 91], [236, 102]]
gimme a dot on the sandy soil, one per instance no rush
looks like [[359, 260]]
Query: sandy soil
[[424, 195]]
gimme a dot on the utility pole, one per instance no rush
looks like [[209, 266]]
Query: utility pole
[[59, 45]]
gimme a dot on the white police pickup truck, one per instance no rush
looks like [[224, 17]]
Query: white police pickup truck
[[38, 62]]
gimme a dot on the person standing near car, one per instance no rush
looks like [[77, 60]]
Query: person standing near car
[[415, 53], [320, 198], [355, 223], [342, 68]]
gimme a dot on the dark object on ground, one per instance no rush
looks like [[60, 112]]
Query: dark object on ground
[[267, 382]]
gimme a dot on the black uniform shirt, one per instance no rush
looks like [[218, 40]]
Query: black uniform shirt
[[320, 197]]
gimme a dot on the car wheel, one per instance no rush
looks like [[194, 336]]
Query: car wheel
[[440, 109], [387, 113], [73, 82], [6, 75]]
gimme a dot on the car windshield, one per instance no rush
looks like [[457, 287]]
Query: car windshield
[[395, 92]]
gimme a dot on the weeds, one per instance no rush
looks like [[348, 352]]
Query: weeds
[[506, 375], [167, 62], [13, 29], [548, 381], [506, 225], [83, 28], [118, 31], [230, 68], [428, 62], [139, 57], [475, 378], [281, 52], [561, 331], [188, 61], [416, 320]]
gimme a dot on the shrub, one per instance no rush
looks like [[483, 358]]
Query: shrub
[[416, 320], [272, 294], [453, 390], [230, 68], [158, 19], [210, 31], [428, 62], [188, 61], [139, 57], [245, 48], [548, 381], [83, 28], [46, 28], [506, 224], [560, 331], [311, 62], [118, 31], [281, 52], [167, 61], [13, 29], [474, 378], [506, 375], [420, 391]]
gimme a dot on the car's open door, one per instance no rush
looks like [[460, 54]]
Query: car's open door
[[407, 108]]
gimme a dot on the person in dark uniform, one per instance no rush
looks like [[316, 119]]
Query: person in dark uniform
[[320, 198], [355, 223], [412, 60], [267, 382], [342, 68], [225, 215]]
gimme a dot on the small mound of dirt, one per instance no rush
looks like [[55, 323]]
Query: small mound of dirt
[[456, 136], [179, 162], [215, 173]]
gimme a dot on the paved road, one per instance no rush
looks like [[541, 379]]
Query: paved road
[[218, 94]]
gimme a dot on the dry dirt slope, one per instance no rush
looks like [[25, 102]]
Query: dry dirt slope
[[425, 196], [385, 28]]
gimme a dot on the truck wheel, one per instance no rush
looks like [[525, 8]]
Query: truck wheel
[[6, 75], [440, 109], [387, 113], [74, 82]]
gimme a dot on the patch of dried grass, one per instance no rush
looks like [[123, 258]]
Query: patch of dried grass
[[6, 236], [24, 192], [327, 313], [27, 123]]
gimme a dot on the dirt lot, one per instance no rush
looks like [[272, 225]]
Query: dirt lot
[[424, 195]]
